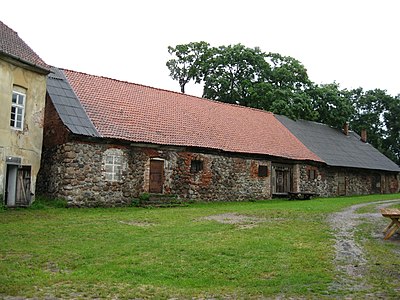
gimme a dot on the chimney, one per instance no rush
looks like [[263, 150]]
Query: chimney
[[364, 135], [346, 128]]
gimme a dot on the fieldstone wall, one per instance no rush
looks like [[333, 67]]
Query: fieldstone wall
[[356, 182], [76, 172], [391, 183], [223, 178], [324, 182]]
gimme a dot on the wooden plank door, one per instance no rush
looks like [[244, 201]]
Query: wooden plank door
[[280, 181], [156, 176], [341, 181], [376, 184], [283, 180], [23, 197]]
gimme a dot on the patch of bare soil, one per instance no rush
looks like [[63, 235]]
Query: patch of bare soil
[[53, 267], [350, 260], [241, 221]]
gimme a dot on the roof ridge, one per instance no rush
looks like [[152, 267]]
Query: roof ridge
[[323, 124], [169, 91]]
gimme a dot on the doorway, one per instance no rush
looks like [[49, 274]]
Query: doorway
[[18, 185], [282, 182], [376, 184], [156, 176], [281, 179], [342, 187]]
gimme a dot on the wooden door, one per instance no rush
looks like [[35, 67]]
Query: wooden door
[[156, 176], [376, 184], [23, 197], [341, 180], [282, 181]]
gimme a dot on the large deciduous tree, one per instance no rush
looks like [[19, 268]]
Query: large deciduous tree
[[246, 76], [370, 107], [190, 62], [332, 105], [290, 88], [233, 73], [379, 114], [391, 143]]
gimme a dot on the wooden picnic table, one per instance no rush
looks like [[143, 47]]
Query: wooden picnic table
[[301, 195], [394, 215]]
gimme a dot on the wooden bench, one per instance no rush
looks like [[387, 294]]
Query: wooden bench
[[301, 195], [394, 215]]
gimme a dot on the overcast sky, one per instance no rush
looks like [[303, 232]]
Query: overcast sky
[[353, 42]]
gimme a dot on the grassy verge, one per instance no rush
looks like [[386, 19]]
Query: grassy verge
[[160, 253]]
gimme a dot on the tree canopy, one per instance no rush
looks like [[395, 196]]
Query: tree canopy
[[189, 62], [280, 84]]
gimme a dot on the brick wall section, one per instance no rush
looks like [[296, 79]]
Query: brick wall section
[[75, 171], [54, 131], [358, 182]]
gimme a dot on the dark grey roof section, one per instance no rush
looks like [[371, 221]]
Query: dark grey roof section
[[336, 148], [68, 106]]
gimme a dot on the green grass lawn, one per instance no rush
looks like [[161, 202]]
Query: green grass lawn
[[174, 252]]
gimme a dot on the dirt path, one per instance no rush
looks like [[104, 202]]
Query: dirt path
[[350, 260]]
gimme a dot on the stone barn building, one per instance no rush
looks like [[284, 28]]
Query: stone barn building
[[107, 142]]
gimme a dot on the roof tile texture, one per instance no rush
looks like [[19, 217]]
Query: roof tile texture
[[139, 113], [11, 44]]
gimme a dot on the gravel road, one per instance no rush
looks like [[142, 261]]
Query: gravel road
[[350, 259]]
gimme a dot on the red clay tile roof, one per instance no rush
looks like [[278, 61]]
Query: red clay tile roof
[[12, 45], [139, 113]]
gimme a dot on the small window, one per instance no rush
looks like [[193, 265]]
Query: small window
[[312, 174], [196, 166], [17, 111], [113, 166], [262, 171]]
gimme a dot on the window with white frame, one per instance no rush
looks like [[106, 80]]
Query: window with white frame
[[113, 164], [17, 110]]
